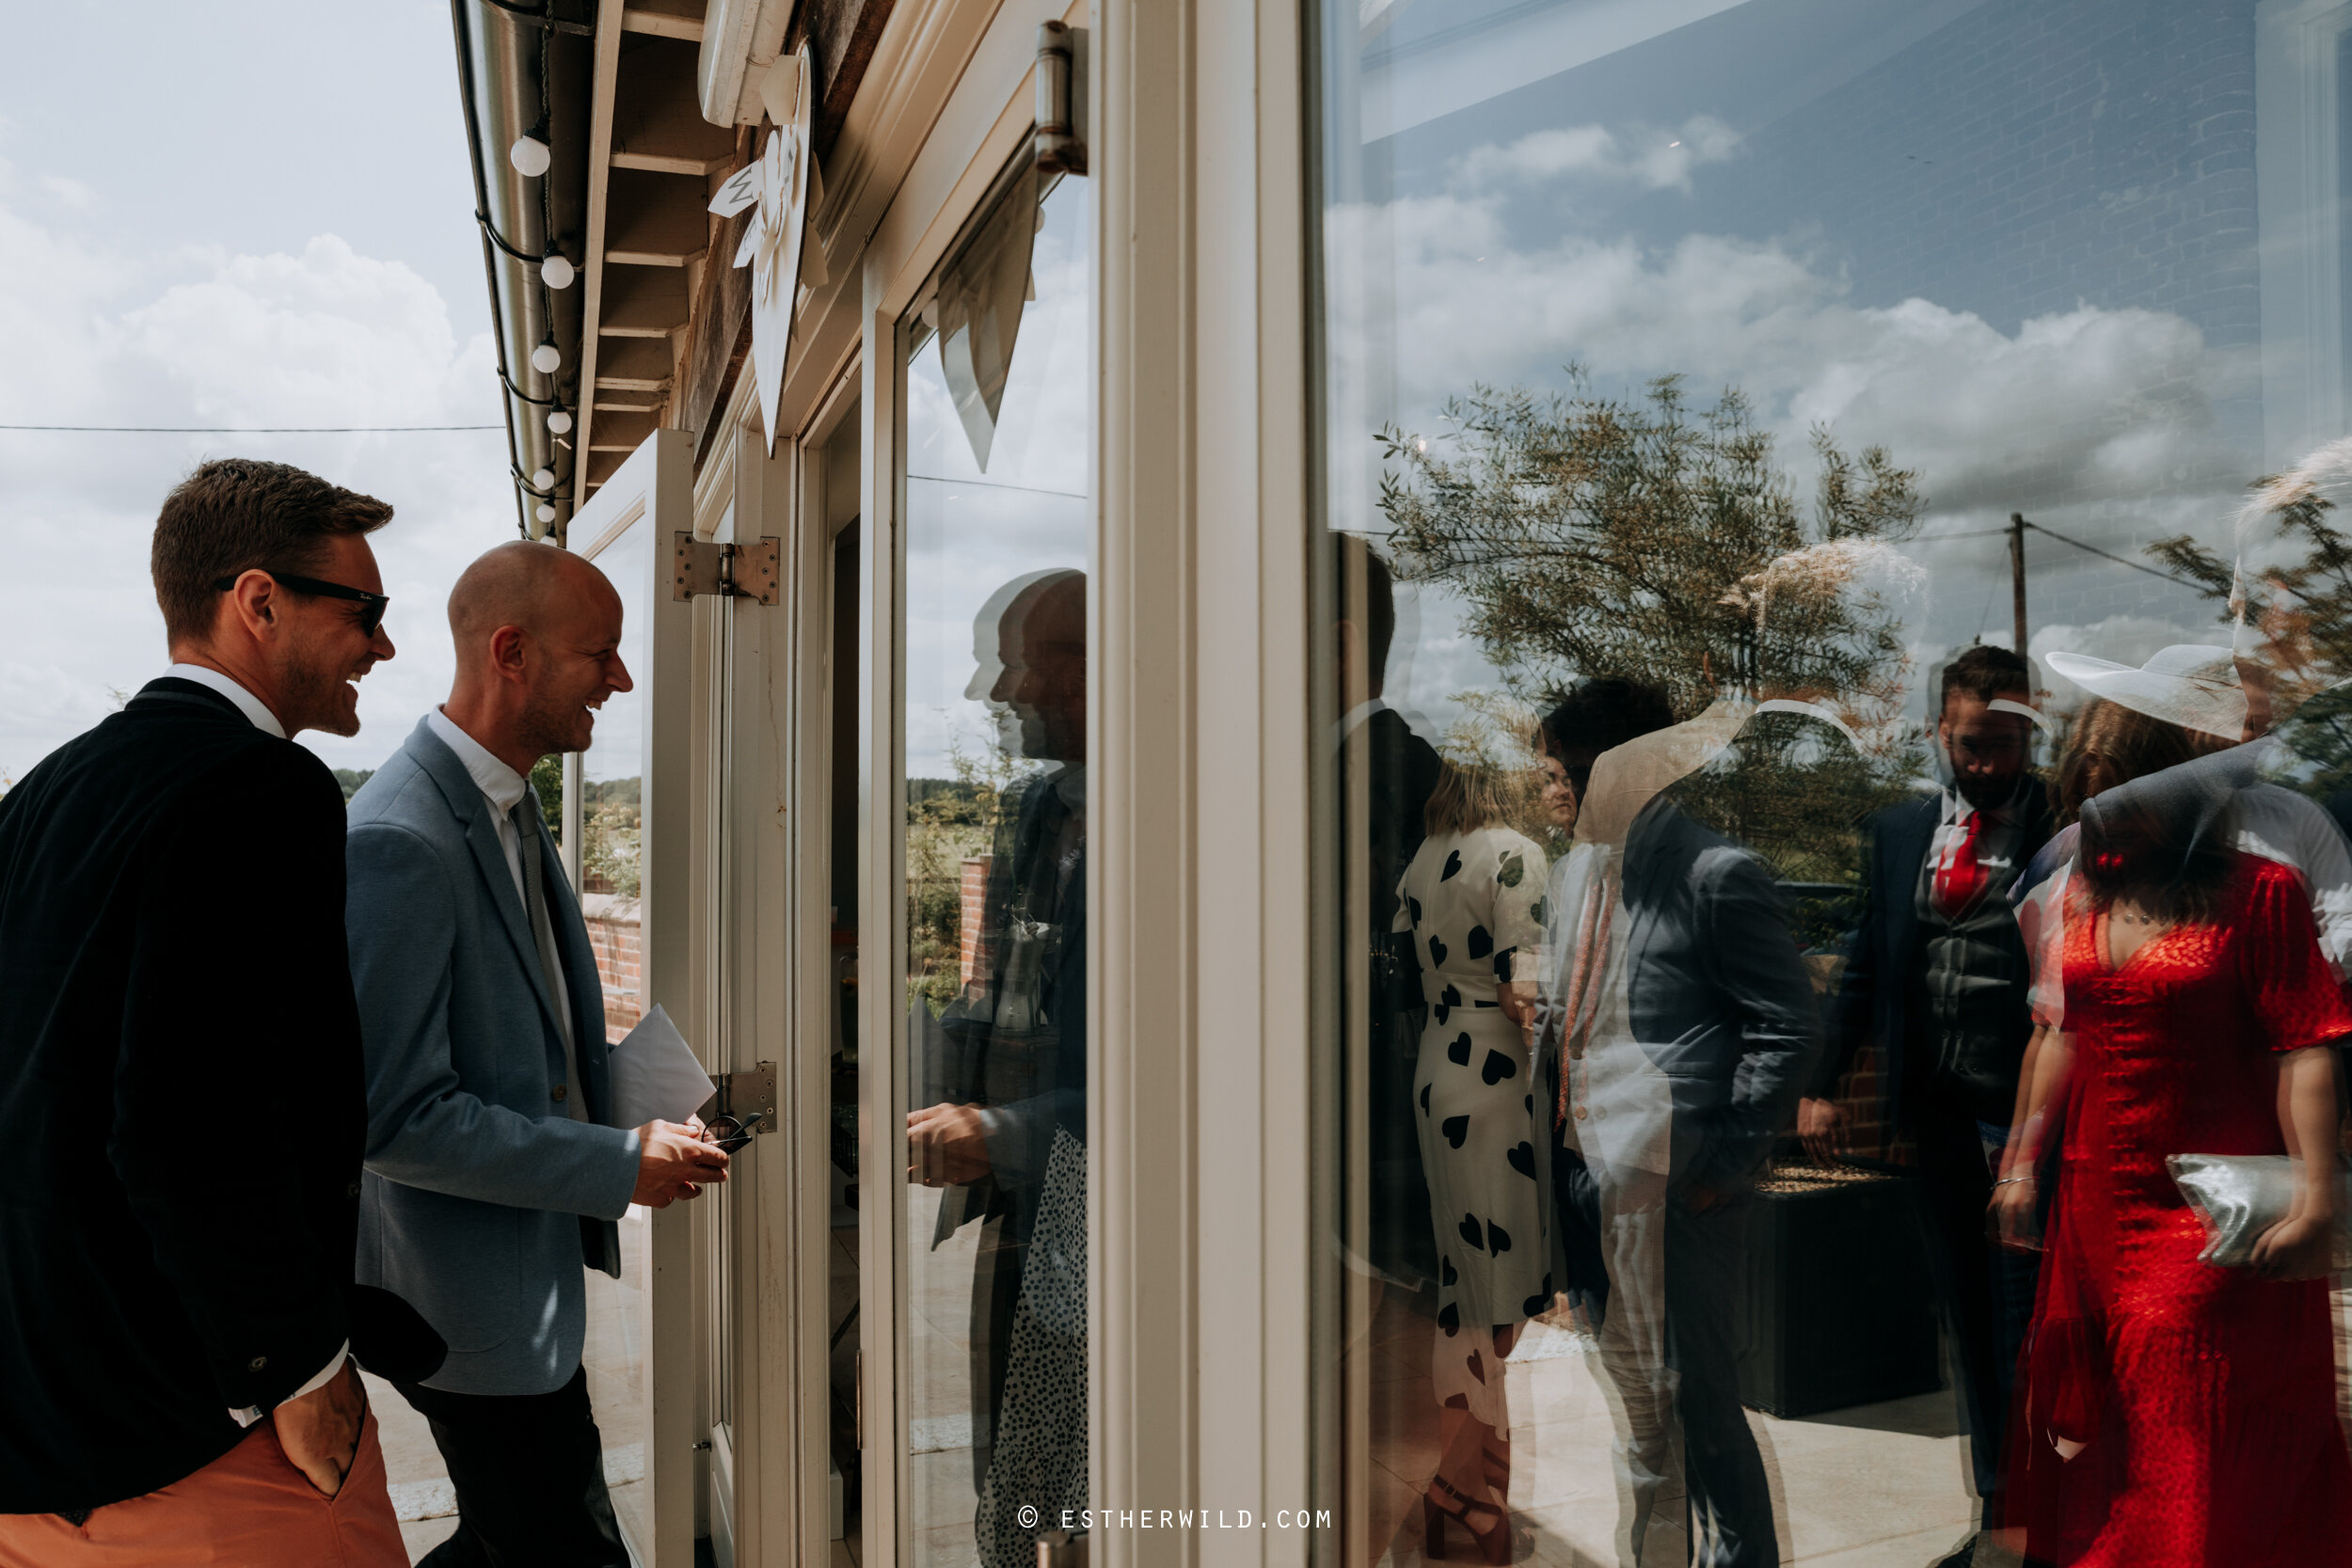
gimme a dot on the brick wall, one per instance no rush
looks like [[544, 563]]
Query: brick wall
[[974, 899], [614, 934]]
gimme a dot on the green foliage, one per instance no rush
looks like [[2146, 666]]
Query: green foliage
[[949, 821], [1587, 535], [2304, 613], [547, 783], [610, 835], [351, 779]]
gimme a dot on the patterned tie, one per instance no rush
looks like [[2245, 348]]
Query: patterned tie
[[1961, 877], [543, 933]]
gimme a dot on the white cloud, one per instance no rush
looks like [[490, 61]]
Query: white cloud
[[2099, 422], [1651, 158], [68, 190], [326, 337]]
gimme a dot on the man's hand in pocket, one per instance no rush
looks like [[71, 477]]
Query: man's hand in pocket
[[320, 1432]]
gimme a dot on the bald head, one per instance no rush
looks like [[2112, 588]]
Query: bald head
[[521, 584], [538, 635]]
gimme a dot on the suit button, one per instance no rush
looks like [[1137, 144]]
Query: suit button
[[257, 1363], [1579, 1113], [351, 1191], [562, 1091]]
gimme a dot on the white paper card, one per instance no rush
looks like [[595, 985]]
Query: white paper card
[[655, 1075]]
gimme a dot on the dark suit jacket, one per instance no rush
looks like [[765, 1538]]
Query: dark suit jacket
[[1878, 996], [1402, 771], [1717, 993], [181, 1110]]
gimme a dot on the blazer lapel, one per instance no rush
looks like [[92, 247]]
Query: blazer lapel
[[467, 804]]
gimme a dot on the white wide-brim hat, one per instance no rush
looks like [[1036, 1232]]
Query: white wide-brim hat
[[2194, 685]]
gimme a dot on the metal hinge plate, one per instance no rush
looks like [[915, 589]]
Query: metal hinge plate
[[742, 571], [752, 1092]]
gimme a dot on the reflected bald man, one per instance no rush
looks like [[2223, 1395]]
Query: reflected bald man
[[494, 1173]]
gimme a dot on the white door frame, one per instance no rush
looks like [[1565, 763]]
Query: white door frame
[[654, 490]]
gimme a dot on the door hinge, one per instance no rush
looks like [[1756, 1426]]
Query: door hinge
[[742, 571], [1061, 147], [749, 1094]]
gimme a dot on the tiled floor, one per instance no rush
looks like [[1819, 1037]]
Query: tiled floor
[[1877, 1487], [1882, 1486]]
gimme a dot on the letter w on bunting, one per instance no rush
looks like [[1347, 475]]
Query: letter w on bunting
[[780, 183]]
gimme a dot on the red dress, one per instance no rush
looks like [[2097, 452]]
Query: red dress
[[2207, 1396]]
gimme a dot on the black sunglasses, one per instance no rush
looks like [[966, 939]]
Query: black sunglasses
[[371, 606]]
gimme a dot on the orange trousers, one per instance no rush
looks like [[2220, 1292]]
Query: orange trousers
[[250, 1508]]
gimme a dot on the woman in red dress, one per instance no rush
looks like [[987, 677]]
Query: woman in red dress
[[2177, 1411]]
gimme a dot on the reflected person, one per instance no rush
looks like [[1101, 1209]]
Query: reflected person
[[1935, 978], [1675, 1035], [2180, 1411], [1469, 899], [1008, 1136]]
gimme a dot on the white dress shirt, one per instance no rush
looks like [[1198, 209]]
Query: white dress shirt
[[258, 714], [503, 788]]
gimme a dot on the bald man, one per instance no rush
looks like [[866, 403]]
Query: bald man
[[493, 1170]]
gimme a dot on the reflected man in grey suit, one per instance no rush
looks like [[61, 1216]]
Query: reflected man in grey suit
[[1672, 1041]]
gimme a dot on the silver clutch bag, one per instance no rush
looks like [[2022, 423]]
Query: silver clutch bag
[[2241, 1196]]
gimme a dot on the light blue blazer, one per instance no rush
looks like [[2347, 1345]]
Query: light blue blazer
[[482, 1198]]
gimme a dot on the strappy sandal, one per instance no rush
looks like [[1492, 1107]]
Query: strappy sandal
[[1494, 1542]]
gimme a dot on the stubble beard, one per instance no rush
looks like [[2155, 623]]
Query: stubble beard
[[316, 699]]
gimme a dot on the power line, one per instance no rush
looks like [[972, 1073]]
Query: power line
[[249, 430], [2063, 539], [2109, 555]]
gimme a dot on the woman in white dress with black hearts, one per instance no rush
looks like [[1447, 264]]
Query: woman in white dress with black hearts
[[1472, 899]]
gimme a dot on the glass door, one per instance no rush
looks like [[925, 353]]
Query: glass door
[[989, 1196]]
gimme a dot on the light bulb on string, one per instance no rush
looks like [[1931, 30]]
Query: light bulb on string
[[530, 156], [547, 358], [559, 422], [557, 272], [543, 478]]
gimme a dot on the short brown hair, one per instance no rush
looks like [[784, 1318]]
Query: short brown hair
[[1986, 671], [235, 513]]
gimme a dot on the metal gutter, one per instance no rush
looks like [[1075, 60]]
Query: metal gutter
[[526, 69]]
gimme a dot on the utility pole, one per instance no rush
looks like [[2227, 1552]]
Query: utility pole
[[2017, 526]]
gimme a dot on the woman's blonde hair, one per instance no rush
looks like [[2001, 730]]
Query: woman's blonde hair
[[1471, 795]]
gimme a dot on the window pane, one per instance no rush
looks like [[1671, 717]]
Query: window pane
[[997, 427], [611, 771], [1735, 933]]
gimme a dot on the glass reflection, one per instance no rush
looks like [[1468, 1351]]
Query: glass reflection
[[996, 648], [1846, 495]]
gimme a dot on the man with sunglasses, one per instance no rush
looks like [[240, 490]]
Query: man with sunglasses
[[495, 1171], [181, 1117]]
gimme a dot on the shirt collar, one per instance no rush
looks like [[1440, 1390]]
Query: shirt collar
[[501, 783], [256, 711], [1957, 809]]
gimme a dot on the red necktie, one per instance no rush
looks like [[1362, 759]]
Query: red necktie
[[1959, 879]]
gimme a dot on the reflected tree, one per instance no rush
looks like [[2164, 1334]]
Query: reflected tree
[[2301, 608], [1589, 535]]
